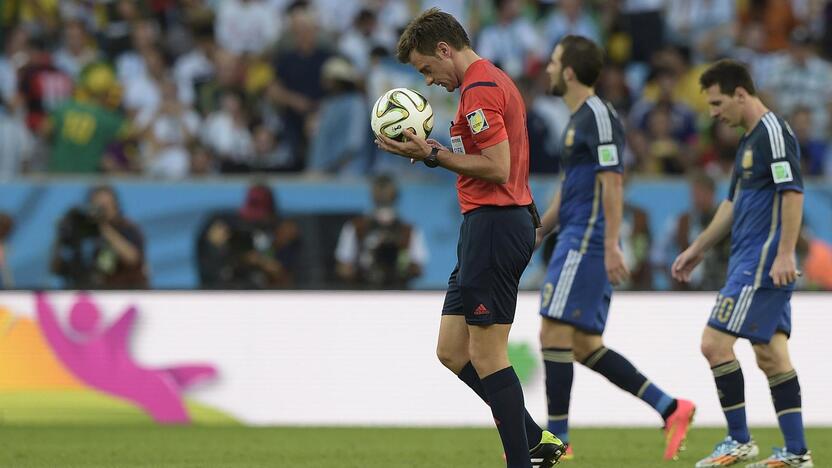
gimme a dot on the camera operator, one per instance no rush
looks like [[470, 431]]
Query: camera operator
[[380, 250], [97, 248], [252, 248]]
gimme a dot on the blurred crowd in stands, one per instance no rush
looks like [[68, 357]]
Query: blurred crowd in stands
[[176, 89], [187, 88]]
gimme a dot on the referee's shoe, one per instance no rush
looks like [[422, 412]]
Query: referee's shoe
[[547, 453]]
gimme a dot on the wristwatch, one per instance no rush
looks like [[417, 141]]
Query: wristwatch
[[431, 160]]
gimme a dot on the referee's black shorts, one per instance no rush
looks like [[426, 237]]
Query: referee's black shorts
[[495, 245]]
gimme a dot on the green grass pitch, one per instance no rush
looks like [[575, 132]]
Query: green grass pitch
[[140, 445]]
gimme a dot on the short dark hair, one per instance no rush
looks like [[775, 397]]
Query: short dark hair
[[729, 75], [429, 29], [584, 57]]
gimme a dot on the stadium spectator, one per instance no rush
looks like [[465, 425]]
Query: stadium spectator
[[195, 67], [142, 93], [83, 128], [228, 74], [570, 17], [801, 79], [130, 62], [116, 26], [751, 50], [96, 247], [358, 41], [380, 250], [636, 244], [271, 154], [298, 87], [775, 16], [707, 25], [662, 130], [17, 145], [6, 227], [226, 132], [13, 54], [719, 149], [612, 87], [253, 248], [813, 151], [167, 134], [202, 161], [710, 274], [512, 43], [676, 61], [348, 153], [78, 51], [644, 24], [543, 157], [42, 85], [247, 26], [817, 263]]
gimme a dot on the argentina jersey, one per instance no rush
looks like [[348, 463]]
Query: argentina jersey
[[576, 289], [592, 142], [767, 163]]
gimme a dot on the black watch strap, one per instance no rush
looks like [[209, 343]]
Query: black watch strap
[[432, 160]]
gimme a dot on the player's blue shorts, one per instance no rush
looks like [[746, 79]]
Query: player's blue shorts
[[755, 314], [495, 245], [576, 290]]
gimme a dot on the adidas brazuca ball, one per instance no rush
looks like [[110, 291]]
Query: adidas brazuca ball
[[399, 109]]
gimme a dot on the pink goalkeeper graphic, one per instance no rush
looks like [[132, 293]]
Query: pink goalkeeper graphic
[[101, 359]]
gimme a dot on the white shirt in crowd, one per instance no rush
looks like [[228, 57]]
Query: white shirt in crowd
[[227, 139], [250, 26]]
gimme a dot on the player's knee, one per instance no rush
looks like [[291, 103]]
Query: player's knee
[[555, 335], [582, 351], [485, 360], [716, 353], [452, 357], [585, 344], [769, 362]]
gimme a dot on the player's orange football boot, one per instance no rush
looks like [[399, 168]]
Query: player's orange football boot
[[676, 428]]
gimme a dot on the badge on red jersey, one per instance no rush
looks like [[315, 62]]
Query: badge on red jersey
[[477, 122]]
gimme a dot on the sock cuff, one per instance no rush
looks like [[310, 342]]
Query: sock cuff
[[726, 368], [559, 355], [780, 379], [467, 369], [501, 379], [596, 356]]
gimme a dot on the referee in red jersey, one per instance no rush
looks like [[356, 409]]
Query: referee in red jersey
[[490, 154]]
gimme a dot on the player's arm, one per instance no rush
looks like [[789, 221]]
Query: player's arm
[[612, 199], [784, 268], [493, 165], [719, 227], [784, 163], [549, 220]]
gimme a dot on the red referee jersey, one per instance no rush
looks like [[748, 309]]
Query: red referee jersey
[[491, 110]]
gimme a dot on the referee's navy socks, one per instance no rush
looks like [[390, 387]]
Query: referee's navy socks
[[469, 375], [505, 396], [785, 393], [618, 370], [730, 385], [559, 376]]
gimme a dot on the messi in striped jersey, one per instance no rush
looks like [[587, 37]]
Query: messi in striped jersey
[[588, 261], [763, 213]]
